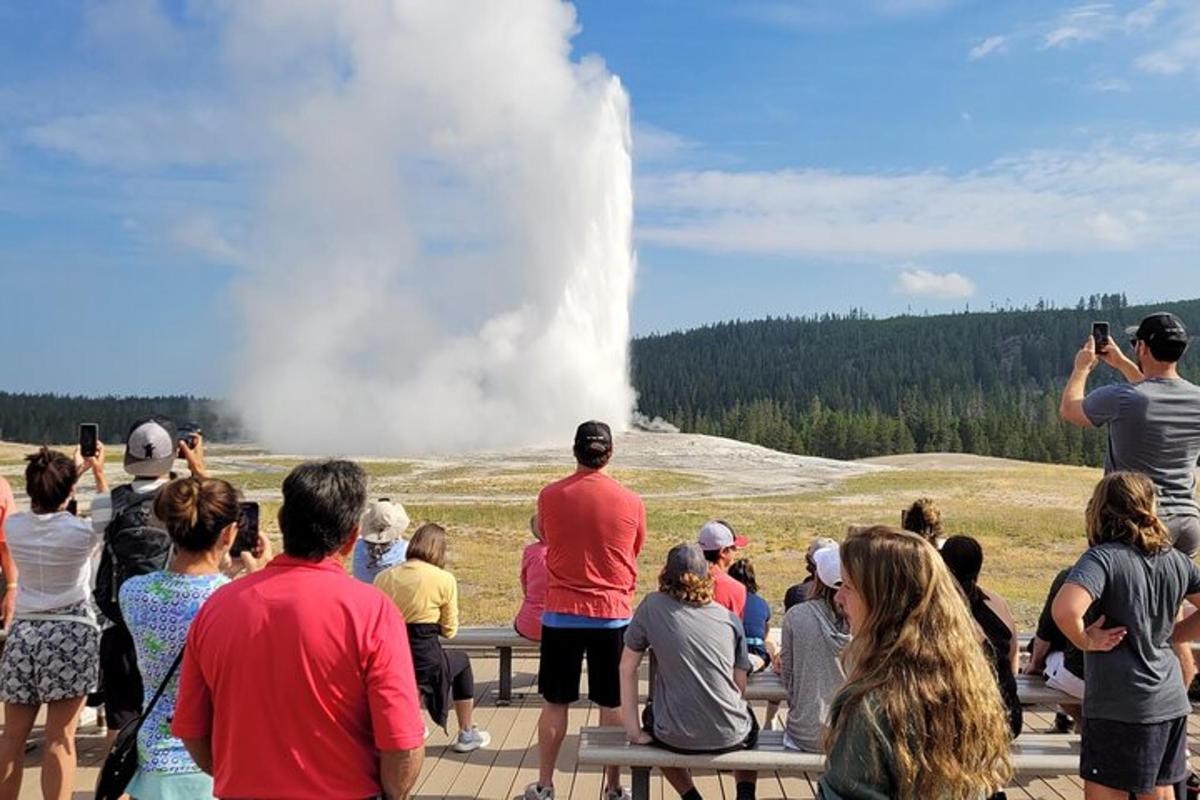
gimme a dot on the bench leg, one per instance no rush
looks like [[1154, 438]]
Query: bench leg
[[506, 669], [641, 783]]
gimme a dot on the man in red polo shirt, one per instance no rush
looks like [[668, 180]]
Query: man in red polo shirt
[[594, 529], [297, 681], [720, 545]]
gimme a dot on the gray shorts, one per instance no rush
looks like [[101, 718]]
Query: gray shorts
[[1185, 533]]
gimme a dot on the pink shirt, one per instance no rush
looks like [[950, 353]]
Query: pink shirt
[[301, 675], [533, 584], [728, 592], [594, 529], [8, 504]]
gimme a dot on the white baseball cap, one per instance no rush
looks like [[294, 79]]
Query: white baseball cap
[[829, 565], [716, 535]]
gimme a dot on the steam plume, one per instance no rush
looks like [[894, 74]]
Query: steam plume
[[441, 257]]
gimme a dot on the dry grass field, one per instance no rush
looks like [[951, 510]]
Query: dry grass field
[[1028, 516]]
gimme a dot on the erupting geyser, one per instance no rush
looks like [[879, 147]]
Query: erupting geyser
[[441, 255]]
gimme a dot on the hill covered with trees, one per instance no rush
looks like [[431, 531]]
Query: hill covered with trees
[[37, 418], [852, 386]]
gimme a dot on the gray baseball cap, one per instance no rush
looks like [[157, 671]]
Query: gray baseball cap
[[151, 447], [683, 559]]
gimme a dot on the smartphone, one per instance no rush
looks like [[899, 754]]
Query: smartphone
[[89, 434], [246, 540], [187, 434], [1100, 336]]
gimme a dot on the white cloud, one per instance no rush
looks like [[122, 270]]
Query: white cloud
[[1099, 200], [1181, 53], [147, 136], [937, 285], [1111, 85], [203, 236], [990, 46], [651, 143]]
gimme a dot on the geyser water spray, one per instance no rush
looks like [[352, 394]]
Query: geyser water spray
[[441, 255]]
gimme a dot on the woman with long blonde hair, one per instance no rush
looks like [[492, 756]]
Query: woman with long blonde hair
[[1136, 706], [920, 715]]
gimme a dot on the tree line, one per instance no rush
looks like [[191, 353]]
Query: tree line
[[852, 387], [50, 418]]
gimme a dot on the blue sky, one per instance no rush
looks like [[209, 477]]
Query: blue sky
[[790, 158]]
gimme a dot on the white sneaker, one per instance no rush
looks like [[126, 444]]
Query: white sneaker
[[535, 791], [620, 793], [471, 740]]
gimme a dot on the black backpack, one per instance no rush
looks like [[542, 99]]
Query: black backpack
[[135, 543]]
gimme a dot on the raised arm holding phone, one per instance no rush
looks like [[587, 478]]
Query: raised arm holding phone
[[1153, 420]]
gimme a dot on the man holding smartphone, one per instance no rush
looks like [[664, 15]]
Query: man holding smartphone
[[1153, 420]]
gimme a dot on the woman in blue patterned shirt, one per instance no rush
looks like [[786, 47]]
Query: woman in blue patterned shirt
[[200, 514]]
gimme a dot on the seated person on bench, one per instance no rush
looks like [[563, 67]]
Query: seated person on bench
[[698, 704]]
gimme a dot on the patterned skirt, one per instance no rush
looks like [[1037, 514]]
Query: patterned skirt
[[50, 659]]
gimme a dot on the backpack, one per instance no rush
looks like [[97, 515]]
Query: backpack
[[135, 543]]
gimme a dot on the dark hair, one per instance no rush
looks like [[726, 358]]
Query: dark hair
[[712, 556], [428, 544], [49, 479], [196, 510], [742, 571], [1167, 352], [322, 504], [923, 517], [593, 455], [964, 556]]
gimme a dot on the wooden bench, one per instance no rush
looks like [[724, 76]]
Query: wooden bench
[[1032, 690], [1033, 755], [502, 641]]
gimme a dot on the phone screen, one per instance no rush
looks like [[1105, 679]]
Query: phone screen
[[89, 434], [247, 535], [1100, 336]]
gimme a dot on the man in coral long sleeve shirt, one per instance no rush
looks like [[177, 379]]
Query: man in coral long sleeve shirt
[[594, 529]]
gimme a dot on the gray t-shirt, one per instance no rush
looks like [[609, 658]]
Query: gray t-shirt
[[1139, 680], [1153, 428], [697, 706]]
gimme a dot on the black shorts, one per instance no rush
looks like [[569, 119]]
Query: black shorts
[[562, 654], [121, 681], [1130, 757], [749, 743]]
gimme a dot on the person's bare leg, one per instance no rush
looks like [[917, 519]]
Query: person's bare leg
[[552, 729], [740, 776], [463, 710], [612, 775], [58, 765], [18, 722], [1094, 791], [679, 778]]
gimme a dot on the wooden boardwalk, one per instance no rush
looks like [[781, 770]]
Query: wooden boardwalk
[[503, 769]]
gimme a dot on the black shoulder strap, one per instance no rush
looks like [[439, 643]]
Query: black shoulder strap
[[161, 687], [125, 497]]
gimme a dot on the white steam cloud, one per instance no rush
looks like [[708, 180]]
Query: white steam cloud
[[441, 259]]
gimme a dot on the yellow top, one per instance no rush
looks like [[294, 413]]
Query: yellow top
[[423, 593]]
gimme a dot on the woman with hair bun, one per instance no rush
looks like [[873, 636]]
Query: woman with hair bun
[[52, 655], [1135, 709], [919, 717], [700, 648], [924, 519], [201, 517]]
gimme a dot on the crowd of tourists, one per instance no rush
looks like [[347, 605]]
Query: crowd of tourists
[[898, 663]]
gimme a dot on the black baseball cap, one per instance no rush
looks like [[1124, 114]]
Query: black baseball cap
[[1162, 327], [593, 436]]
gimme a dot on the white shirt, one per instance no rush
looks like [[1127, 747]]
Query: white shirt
[[102, 510], [53, 553]]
